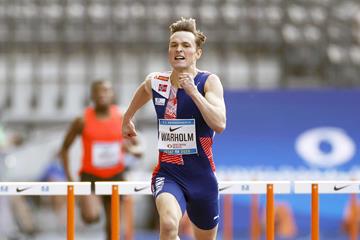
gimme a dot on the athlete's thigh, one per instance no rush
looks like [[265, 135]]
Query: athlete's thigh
[[167, 204], [204, 213], [203, 203], [169, 196], [90, 205]]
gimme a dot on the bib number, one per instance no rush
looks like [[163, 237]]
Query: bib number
[[177, 136], [106, 154]]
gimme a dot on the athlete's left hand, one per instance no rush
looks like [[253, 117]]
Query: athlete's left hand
[[128, 129], [186, 81]]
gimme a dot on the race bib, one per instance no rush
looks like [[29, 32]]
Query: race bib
[[177, 136], [106, 154]]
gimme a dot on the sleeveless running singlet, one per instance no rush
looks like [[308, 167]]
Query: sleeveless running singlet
[[185, 166], [102, 144]]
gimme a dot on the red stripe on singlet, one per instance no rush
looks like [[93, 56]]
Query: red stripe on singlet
[[169, 158], [206, 144]]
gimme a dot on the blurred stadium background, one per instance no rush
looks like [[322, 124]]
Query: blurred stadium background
[[289, 68]]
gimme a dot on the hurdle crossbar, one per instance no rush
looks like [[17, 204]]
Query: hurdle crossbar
[[253, 187], [70, 189], [327, 187], [43, 188], [225, 187], [324, 187]]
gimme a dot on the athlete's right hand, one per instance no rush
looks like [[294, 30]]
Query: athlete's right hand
[[128, 129]]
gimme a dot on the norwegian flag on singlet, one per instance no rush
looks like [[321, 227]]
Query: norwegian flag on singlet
[[162, 87]]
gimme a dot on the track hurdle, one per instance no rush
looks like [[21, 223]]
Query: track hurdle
[[326, 187], [225, 187], [256, 187], [120, 188], [51, 189]]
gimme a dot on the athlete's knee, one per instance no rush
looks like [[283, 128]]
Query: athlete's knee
[[90, 218], [208, 236], [201, 234], [169, 225]]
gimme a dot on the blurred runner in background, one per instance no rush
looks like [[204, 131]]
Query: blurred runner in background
[[103, 149]]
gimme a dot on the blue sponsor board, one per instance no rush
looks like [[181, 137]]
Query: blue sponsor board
[[270, 128], [294, 135]]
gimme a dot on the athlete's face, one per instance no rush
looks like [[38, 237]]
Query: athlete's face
[[183, 52], [102, 94]]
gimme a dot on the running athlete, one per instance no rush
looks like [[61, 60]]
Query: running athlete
[[103, 150], [190, 107]]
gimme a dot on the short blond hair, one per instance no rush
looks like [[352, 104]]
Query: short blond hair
[[188, 25]]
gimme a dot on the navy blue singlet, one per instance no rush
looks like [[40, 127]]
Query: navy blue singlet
[[190, 178]]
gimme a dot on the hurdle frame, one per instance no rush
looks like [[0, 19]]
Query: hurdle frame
[[225, 188], [270, 188], [326, 187], [70, 189]]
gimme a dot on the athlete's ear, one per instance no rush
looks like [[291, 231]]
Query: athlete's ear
[[198, 53]]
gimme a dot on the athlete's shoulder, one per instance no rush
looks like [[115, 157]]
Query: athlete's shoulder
[[213, 83], [116, 109], [160, 83], [88, 112], [161, 76], [208, 74], [213, 77], [204, 72], [77, 125]]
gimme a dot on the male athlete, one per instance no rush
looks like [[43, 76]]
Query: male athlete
[[190, 107], [103, 149]]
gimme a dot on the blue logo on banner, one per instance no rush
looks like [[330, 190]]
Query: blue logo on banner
[[45, 188], [4, 188]]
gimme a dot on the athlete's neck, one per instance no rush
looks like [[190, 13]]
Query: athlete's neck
[[176, 72], [102, 111]]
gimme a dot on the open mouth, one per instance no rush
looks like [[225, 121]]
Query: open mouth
[[179, 58]]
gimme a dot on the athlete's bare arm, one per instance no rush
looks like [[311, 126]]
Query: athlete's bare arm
[[212, 106], [132, 146], [74, 130], [142, 95]]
